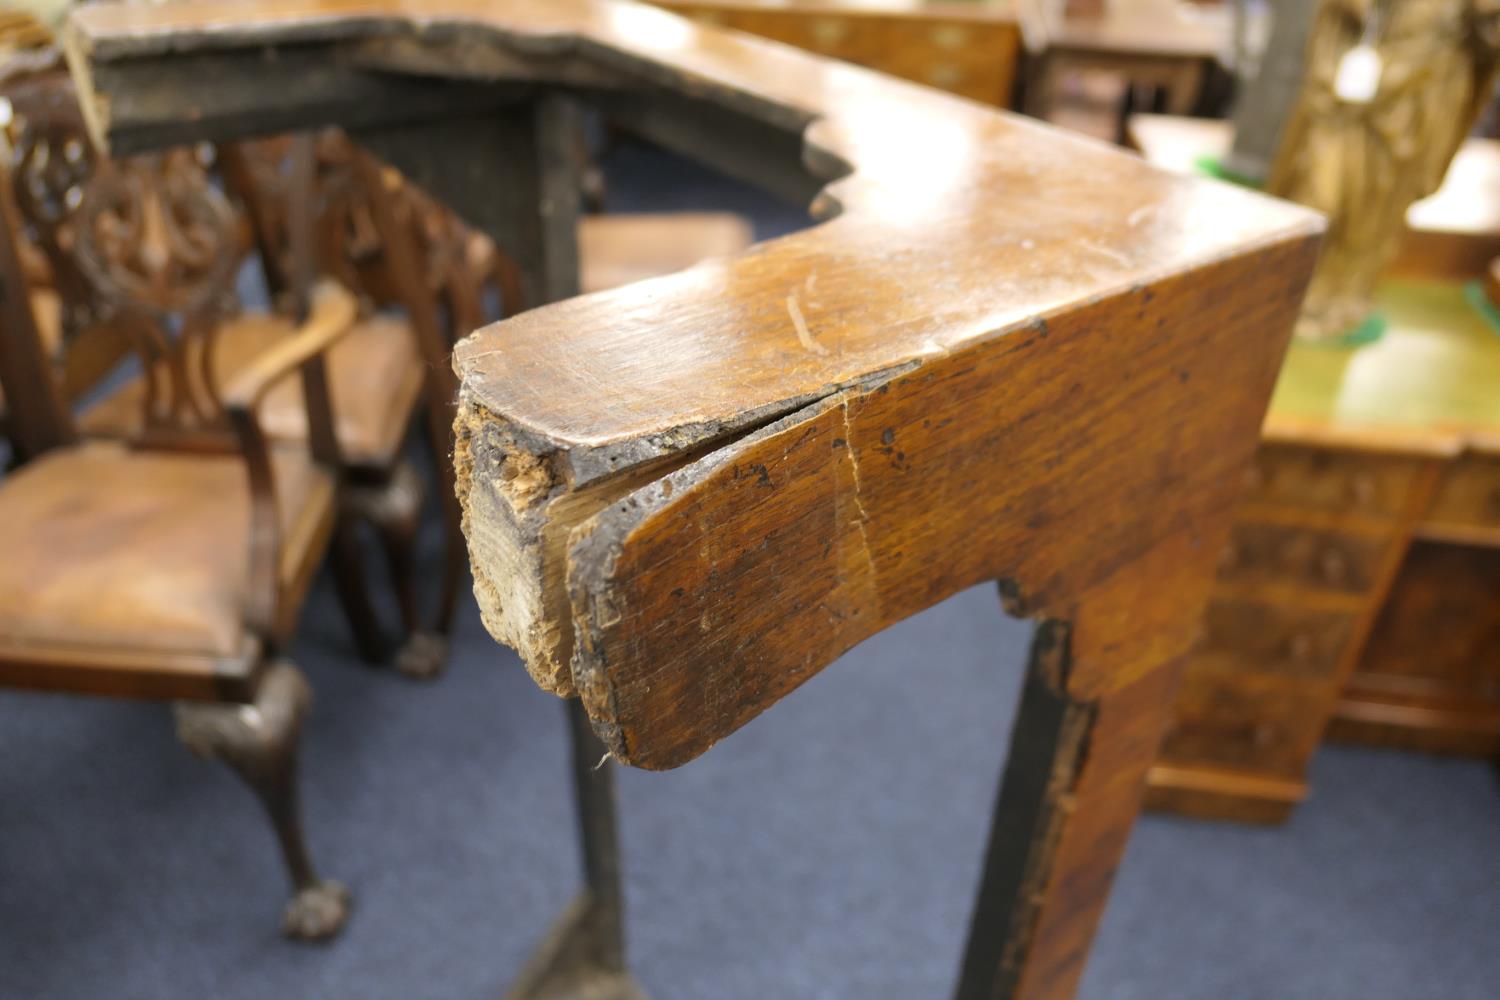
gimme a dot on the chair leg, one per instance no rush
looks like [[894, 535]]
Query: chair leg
[[394, 508], [259, 741], [354, 597], [455, 554]]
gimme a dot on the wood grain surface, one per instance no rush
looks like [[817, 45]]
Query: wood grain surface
[[1008, 353]]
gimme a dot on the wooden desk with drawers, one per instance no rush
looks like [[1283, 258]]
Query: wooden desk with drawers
[[1361, 591], [969, 48]]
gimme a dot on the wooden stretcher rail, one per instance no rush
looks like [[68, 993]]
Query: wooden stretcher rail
[[1005, 353]]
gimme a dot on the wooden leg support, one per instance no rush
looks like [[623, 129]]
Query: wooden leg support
[[1071, 789], [583, 958], [354, 596], [1070, 792], [259, 741], [394, 508]]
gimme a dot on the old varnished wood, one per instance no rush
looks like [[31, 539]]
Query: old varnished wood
[[1007, 354]]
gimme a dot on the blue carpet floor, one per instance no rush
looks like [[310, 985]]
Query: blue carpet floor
[[827, 851]]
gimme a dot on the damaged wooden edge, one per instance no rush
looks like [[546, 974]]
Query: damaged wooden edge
[[519, 503], [545, 522]]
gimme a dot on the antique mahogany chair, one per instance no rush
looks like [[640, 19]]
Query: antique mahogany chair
[[172, 566], [378, 375], [1004, 353], [374, 238]]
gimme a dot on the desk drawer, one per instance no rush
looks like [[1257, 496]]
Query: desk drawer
[[1256, 637], [975, 60], [857, 39], [1468, 495], [705, 15], [1331, 481], [961, 73], [1253, 722], [1300, 558]]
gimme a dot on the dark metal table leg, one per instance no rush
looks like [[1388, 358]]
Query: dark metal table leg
[[583, 958]]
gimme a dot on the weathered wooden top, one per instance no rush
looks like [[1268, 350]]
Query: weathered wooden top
[[957, 222], [1006, 352]]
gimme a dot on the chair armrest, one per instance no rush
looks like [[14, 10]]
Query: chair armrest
[[330, 317]]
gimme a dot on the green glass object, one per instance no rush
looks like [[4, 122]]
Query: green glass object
[[1212, 166]]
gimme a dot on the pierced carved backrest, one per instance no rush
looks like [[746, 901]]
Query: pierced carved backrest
[[159, 246], [261, 174], [355, 196], [463, 267], [143, 254]]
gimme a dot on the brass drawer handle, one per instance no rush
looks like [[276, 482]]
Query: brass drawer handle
[[829, 32], [1300, 647], [1362, 489], [949, 36], [945, 75], [1334, 566]]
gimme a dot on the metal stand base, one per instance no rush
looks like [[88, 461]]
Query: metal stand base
[[583, 958], [572, 963]]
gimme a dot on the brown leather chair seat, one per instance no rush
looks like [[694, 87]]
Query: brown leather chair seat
[[374, 378], [615, 250], [106, 548]]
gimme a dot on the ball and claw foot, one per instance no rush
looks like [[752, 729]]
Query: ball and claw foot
[[423, 656], [259, 742], [316, 913]]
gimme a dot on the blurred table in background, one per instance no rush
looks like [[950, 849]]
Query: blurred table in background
[[1361, 591], [1164, 43], [966, 47]]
